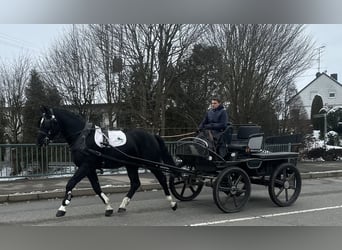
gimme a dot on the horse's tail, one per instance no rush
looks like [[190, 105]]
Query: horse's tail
[[166, 156]]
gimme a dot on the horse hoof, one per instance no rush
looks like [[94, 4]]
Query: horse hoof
[[60, 213], [174, 208], [121, 210], [109, 212]]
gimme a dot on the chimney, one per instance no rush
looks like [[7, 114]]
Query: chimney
[[334, 76]]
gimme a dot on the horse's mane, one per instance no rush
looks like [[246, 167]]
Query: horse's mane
[[72, 123], [69, 114]]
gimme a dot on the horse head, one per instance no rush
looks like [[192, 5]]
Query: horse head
[[48, 127]]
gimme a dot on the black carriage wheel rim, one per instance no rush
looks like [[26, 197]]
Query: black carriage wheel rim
[[185, 187], [285, 186], [235, 193]]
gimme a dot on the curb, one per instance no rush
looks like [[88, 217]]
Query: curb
[[17, 197], [323, 174], [76, 192]]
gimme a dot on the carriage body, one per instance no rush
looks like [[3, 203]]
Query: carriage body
[[231, 177]]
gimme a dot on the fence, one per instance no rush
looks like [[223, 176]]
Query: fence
[[27, 160]]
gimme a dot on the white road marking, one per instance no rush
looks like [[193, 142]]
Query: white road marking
[[264, 216]]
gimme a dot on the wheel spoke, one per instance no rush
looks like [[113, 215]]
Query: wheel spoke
[[286, 194], [238, 180], [224, 189], [292, 176], [278, 183], [179, 182], [292, 181], [241, 191], [235, 202], [183, 190], [192, 189], [280, 191], [226, 200]]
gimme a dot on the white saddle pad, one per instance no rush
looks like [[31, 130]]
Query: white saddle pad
[[115, 138]]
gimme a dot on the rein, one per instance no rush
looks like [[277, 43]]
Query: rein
[[179, 135]]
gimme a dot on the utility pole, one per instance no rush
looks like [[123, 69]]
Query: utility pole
[[319, 58]]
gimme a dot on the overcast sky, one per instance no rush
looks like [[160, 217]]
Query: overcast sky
[[35, 39], [32, 39]]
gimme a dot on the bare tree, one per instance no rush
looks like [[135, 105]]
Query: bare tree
[[261, 60], [108, 39], [70, 67], [13, 80], [153, 51]]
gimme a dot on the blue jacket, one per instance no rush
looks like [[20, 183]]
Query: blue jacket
[[215, 119]]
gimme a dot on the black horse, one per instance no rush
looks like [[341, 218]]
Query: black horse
[[80, 137]]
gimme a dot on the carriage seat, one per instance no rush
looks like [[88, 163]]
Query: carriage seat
[[247, 136]]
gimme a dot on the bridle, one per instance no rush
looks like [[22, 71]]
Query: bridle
[[51, 128], [51, 124]]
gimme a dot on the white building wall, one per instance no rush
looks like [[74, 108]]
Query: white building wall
[[328, 89]]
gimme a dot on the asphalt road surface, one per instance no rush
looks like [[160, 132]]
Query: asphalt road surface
[[319, 204]]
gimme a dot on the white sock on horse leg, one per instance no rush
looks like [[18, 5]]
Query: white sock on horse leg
[[106, 201], [68, 199], [169, 198], [61, 208], [125, 202]]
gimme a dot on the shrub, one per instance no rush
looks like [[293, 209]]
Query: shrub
[[327, 155], [333, 138], [315, 153]]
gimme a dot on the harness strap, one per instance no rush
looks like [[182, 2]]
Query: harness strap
[[80, 144], [105, 136]]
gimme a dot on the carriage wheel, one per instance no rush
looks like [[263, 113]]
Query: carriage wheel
[[232, 189], [185, 187], [285, 185]]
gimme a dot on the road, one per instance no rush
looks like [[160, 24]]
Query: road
[[320, 204]]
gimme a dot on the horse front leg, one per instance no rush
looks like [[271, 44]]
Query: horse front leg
[[66, 201], [76, 178], [133, 176], [94, 180]]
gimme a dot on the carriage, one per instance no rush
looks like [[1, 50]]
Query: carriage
[[197, 165], [231, 176]]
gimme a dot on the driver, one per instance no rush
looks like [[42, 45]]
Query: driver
[[215, 121]]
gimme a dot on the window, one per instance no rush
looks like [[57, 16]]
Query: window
[[332, 95]]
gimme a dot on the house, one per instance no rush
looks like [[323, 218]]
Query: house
[[324, 85]]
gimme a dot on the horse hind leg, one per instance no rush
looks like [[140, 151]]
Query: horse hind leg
[[163, 182], [124, 204], [173, 204]]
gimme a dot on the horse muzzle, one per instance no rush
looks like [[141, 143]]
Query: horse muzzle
[[43, 139]]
